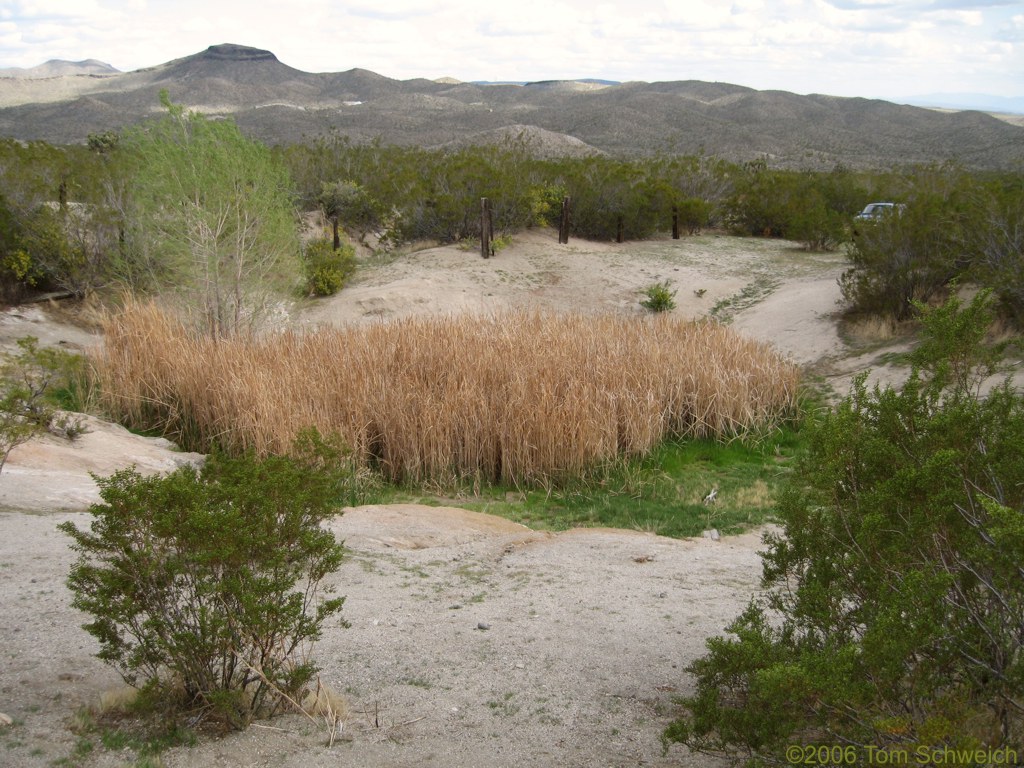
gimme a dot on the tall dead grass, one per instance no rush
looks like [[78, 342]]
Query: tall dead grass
[[520, 397]]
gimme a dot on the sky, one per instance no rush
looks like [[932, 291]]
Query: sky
[[873, 48]]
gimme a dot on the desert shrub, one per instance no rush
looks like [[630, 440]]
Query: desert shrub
[[44, 252], [327, 268], [16, 268], [815, 224], [694, 214], [810, 208], [761, 201], [610, 197], [996, 243], [904, 258], [915, 255], [660, 297], [895, 599], [545, 204], [31, 383], [204, 584], [518, 397], [347, 204]]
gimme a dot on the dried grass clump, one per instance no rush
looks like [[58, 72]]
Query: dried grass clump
[[519, 397]]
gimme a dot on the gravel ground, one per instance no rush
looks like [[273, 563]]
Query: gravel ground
[[473, 641]]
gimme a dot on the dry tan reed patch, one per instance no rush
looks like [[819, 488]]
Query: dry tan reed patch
[[117, 700], [872, 329], [322, 701], [516, 397]]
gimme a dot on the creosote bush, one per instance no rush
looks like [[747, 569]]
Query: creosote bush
[[514, 397], [204, 585], [894, 611], [29, 382], [328, 268]]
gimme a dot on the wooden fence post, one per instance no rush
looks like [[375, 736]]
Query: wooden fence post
[[490, 226], [675, 222], [618, 229], [486, 230], [563, 226]]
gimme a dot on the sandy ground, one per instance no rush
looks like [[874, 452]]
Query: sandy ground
[[473, 641]]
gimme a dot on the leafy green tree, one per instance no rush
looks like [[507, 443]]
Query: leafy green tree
[[213, 214], [204, 585], [894, 600], [347, 204]]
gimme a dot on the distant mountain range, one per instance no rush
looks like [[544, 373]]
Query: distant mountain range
[[59, 68], [980, 101], [63, 102]]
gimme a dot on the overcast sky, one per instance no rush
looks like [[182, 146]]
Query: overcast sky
[[872, 48]]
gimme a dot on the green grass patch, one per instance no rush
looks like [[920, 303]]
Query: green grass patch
[[662, 493], [135, 728], [752, 293]]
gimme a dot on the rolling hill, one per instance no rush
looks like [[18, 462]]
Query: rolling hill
[[279, 104]]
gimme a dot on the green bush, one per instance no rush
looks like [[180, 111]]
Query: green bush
[[815, 225], [997, 245], [895, 597], [328, 268], [915, 255], [203, 584], [660, 297], [32, 382], [694, 214], [904, 258]]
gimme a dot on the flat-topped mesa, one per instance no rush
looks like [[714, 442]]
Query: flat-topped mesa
[[233, 52]]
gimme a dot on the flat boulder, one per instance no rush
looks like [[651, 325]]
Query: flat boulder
[[54, 474]]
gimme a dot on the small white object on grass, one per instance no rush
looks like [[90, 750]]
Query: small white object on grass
[[710, 498]]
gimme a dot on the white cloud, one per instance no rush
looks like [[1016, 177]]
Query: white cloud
[[848, 47]]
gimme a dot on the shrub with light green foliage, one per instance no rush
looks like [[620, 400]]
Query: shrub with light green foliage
[[894, 607], [203, 585], [328, 268], [694, 214], [660, 297], [30, 381]]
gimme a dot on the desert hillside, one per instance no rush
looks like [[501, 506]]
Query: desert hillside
[[278, 104]]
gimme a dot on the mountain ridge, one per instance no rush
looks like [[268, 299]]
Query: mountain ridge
[[278, 104]]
